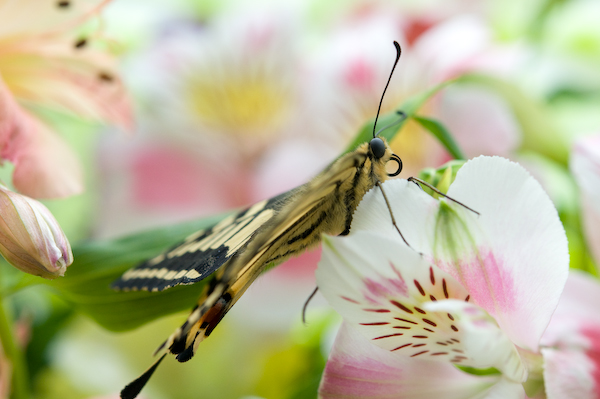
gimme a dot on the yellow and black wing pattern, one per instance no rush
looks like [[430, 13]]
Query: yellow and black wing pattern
[[203, 252]]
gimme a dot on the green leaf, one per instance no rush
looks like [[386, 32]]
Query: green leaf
[[409, 107], [86, 284], [442, 134]]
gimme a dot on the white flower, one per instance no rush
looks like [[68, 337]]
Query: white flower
[[475, 291]]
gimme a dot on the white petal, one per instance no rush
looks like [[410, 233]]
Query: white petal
[[526, 267], [482, 342], [413, 210], [438, 51], [505, 389], [357, 369]]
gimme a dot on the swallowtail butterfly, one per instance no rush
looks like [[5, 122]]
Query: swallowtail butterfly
[[235, 251]]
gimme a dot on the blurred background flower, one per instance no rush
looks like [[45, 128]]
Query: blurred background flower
[[45, 65], [237, 101]]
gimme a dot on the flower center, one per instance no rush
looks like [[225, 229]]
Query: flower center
[[241, 106]]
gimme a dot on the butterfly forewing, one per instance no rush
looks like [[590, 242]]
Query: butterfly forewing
[[203, 252]]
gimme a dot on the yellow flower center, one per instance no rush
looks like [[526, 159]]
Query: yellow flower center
[[240, 106]]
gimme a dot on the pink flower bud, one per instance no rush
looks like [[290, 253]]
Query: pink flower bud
[[30, 237]]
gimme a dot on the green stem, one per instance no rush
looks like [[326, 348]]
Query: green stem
[[20, 385]]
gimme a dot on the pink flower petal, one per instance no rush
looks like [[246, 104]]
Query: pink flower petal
[[436, 49], [572, 341], [572, 373], [31, 16], [166, 177], [585, 165], [52, 72], [358, 369], [45, 167], [10, 118], [578, 306], [480, 121], [351, 71]]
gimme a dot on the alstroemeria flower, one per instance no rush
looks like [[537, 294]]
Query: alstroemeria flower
[[30, 237], [471, 290], [43, 65], [585, 165]]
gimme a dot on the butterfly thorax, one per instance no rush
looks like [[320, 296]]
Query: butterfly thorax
[[330, 212]]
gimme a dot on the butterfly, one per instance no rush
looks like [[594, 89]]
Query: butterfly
[[235, 251]]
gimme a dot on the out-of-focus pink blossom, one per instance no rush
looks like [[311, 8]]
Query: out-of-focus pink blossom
[[571, 344], [585, 165], [42, 65]]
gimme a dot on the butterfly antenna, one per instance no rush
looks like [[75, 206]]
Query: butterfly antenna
[[401, 118], [398, 53]]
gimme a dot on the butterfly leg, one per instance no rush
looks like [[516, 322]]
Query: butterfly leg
[[392, 214]]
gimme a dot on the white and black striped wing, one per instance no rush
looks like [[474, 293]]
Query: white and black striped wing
[[203, 252]]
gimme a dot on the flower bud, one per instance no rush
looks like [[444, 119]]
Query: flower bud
[[30, 237]]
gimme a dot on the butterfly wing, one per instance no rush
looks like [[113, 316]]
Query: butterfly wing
[[203, 252], [324, 205], [319, 206], [294, 216]]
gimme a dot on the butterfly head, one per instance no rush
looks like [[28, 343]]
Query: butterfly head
[[380, 152]]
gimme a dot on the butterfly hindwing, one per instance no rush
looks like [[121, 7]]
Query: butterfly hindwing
[[203, 252]]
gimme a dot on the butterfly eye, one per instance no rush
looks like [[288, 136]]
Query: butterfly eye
[[377, 147]]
